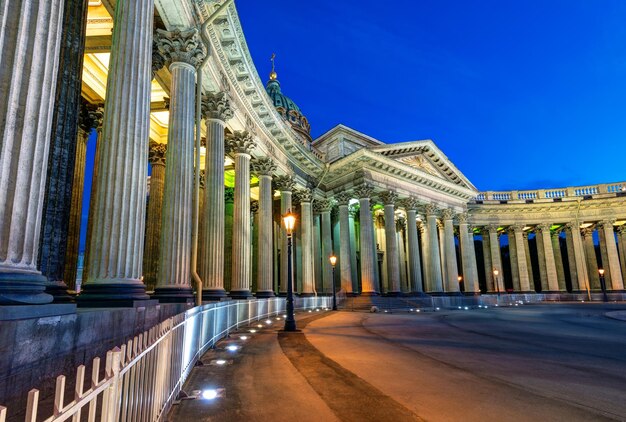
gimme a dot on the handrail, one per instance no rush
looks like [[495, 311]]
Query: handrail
[[552, 193]]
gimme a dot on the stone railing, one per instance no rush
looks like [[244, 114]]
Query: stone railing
[[609, 189]]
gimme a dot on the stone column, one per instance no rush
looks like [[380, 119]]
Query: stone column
[[543, 275], [404, 281], [264, 169], [241, 144], [576, 257], [452, 272], [285, 185], [115, 261], [547, 255], [413, 250], [490, 286], [229, 205], [89, 117], [352, 213], [604, 258], [496, 257], [468, 256], [592, 260], [201, 226], [558, 260], [317, 247], [183, 51], [515, 271], [442, 253], [436, 281], [391, 244], [254, 245], [531, 276], [621, 241], [368, 270], [156, 156], [325, 207], [216, 108], [523, 265], [64, 148], [345, 264], [612, 264], [423, 230], [30, 35], [306, 227]]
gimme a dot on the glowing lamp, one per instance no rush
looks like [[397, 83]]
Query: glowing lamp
[[333, 260], [496, 272], [601, 271], [289, 220]]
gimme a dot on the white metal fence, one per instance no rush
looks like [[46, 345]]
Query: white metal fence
[[143, 377]]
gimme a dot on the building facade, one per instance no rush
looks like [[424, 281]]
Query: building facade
[[170, 87]]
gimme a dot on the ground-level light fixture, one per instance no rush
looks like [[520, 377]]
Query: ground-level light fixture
[[210, 394], [232, 348]]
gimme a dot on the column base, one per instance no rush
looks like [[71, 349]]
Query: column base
[[174, 295], [130, 294], [59, 292], [214, 294], [27, 288], [240, 294], [15, 312], [264, 294]]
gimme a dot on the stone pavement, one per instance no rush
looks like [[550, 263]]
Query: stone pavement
[[556, 362]]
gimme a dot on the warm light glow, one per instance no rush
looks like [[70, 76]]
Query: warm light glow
[[289, 220], [601, 271], [333, 260], [496, 272], [460, 278]]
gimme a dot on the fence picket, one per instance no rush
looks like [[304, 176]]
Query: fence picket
[[31, 405]]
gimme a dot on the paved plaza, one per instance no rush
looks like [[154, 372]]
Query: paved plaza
[[556, 362]]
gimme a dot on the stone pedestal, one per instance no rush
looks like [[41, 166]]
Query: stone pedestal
[[29, 53]]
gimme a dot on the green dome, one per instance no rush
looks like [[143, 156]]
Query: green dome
[[287, 108]]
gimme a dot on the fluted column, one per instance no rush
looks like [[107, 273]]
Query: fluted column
[[468, 255], [523, 266], [254, 245], [612, 264], [240, 144], [285, 185], [404, 280], [604, 258], [89, 117], [156, 156], [621, 241], [515, 273], [229, 205], [413, 250], [591, 258], [325, 207], [452, 272], [531, 276], [306, 227], [490, 286], [201, 226], [63, 151], [29, 49], [367, 252], [264, 169], [116, 256], [352, 213], [391, 244], [576, 257], [496, 257], [558, 260], [547, 255], [435, 284], [345, 264], [317, 247], [442, 253], [216, 108], [183, 51]]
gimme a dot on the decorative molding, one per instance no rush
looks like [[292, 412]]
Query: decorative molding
[[239, 142], [303, 195], [364, 191], [263, 166], [284, 183], [343, 198], [156, 153], [217, 106], [388, 197]]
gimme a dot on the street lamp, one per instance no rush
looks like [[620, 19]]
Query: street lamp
[[460, 278], [603, 285], [289, 220], [495, 276], [333, 261]]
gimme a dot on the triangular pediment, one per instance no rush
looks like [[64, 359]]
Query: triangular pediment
[[427, 157]]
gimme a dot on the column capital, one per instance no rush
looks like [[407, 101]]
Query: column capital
[[284, 183], [447, 214], [587, 231], [353, 211], [156, 153], [322, 205], [89, 115], [463, 218], [517, 228], [492, 228], [409, 204], [202, 179], [608, 222], [158, 61], [239, 142], [364, 191], [218, 106], [622, 229], [254, 207], [229, 196], [388, 197], [343, 198], [303, 195], [543, 227], [431, 210], [180, 46], [400, 223], [263, 166]]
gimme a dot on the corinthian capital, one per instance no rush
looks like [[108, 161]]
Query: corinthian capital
[[303, 195], [607, 223], [409, 204], [543, 227], [400, 223], [322, 205], [284, 183], [388, 197], [89, 116], [463, 218], [181, 46], [447, 214], [156, 153], [343, 198], [217, 106], [263, 166], [202, 173], [239, 142], [364, 191], [158, 61], [430, 209]]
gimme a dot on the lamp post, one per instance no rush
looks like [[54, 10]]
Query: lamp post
[[603, 285], [495, 278], [460, 278], [289, 220], [333, 261]]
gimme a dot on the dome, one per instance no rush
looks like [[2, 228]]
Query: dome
[[286, 107]]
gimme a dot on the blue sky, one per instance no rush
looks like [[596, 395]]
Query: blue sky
[[518, 94]]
